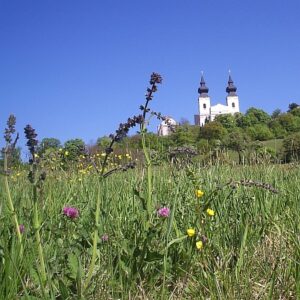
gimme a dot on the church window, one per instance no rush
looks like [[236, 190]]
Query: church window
[[233, 104], [204, 105]]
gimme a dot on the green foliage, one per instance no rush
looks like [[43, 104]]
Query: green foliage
[[73, 149], [48, 143], [289, 122], [103, 142], [185, 135], [276, 113], [291, 147], [228, 121], [213, 130], [260, 132], [293, 106]]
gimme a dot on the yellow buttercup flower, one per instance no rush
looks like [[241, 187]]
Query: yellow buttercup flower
[[210, 212], [199, 245], [199, 193], [66, 153], [191, 232]]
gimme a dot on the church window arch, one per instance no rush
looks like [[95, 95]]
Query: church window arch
[[204, 105], [233, 104]]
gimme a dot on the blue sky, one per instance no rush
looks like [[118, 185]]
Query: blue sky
[[76, 69]]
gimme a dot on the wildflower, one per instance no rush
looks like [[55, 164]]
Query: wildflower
[[60, 149], [71, 212], [210, 212], [36, 155], [199, 245], [119, 156], [191, 232], [104, 238], [103, 154], [164, 212], [66, 153], [21, 228], [199, 193]]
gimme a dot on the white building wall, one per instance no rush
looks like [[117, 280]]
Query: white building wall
[[204, 109]]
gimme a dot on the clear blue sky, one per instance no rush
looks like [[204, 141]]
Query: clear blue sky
[[78, 68]]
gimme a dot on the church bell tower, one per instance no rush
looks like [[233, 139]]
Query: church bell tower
[[232, 98], [204, 102]]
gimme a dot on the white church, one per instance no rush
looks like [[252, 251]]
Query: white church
[[208, 112]]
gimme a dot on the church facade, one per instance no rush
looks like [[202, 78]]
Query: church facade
[[208, 112]]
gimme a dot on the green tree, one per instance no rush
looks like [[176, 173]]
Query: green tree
[[228, 121], [103, 142], [292, 106], [48, 143], [257, 116], [276, 113], [73, 149], [277, 129], [291, 147], [185, 135], [289, 122], [260, 132], [238, 141], [213, 130]]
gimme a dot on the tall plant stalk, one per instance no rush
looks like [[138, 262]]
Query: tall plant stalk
[[9, 149], [36, 181], [9, 198]]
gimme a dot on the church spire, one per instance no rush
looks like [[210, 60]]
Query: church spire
[[203, 89], [231, 89]]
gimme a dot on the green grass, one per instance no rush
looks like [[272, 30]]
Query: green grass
[[252, 249]]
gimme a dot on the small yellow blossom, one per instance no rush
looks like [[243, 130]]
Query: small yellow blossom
[[60, 149], [210, 212], [199, 245], [66, 153], [103, 154], [18, 174], [199, 193], [36, 155], [191, 232]]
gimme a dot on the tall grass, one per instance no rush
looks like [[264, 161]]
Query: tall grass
[[252, 249]]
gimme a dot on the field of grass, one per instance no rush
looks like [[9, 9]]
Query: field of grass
[[246, 243]]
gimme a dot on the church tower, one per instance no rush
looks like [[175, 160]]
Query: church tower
[[204, 103], [232, 98]]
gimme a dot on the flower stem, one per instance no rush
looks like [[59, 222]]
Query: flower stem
[[95, 241], [36, 225], [10, 202]]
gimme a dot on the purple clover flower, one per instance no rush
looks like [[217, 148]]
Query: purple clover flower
[[71, 212], [163, 212], [104, 238], [21, 228]]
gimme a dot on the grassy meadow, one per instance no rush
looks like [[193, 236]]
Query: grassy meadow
[[243, 243]]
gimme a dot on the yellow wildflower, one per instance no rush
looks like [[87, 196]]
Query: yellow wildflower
[[119, 156], [66, 153], [199, 245], [103, 154], [60, 149], [36, 155], [191, 232], [199, 193], [210, 212]]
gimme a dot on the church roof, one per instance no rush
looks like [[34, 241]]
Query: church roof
[[203, 89], [231, 89]]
